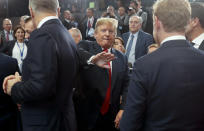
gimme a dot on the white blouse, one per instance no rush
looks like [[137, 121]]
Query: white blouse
[[19, 52]]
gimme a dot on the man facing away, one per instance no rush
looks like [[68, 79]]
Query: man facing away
[[49, 70], [166, 88]]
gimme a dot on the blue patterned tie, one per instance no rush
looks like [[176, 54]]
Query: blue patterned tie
[[129, 46]]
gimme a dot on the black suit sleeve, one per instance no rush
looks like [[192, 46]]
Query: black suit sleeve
[[41, 62], [125, 85], [149, 41], [133, 116], [83, 52]]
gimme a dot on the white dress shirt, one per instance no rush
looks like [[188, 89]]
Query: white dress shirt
[[176, 37], [198, 40], [45, 20], [131, 58], [10, 35]]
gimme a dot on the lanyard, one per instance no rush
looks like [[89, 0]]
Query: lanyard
[[21, 52]]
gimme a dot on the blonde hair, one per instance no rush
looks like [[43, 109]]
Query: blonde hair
[[174, 14], [109, 21]]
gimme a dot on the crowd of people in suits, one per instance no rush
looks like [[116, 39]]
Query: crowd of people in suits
[[103, 74]]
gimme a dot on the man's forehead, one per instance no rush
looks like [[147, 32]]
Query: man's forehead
[[6, 22], [134, 19]]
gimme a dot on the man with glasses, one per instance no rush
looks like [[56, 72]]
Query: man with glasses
[[136, 41]]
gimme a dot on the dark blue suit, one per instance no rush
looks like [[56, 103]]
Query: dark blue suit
[[166, 90], [47, 80], [89, 98], [8, 109], [143, 41]]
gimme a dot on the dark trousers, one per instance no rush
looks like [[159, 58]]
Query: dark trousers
[[105, 122]]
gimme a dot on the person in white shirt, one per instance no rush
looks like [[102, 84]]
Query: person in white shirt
[[195, 28]]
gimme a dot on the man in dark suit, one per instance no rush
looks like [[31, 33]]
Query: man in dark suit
[[67, 21], [195, 29], [136, 41], [166, 88], [7, 33], [48, 73], [89, 25], [8, 109], [98, 102]]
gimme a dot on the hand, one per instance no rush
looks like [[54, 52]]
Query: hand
[[102, 59], [9, 81], [118, 118]]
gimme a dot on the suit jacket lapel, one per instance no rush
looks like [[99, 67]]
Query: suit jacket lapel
[[138, 43], [126, 38]]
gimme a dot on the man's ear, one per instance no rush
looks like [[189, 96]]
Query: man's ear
[[31, 12], [58, 12], [195, 22], [156, 22]]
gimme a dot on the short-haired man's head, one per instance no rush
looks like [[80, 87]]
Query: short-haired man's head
[[48, 6], [133, 4], [135, 23], [27, 19], [76, 34], [197, 12], [107, 21], [7, 24], [174, 14], [89, 12]]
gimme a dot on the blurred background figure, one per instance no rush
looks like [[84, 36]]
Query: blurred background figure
[[89, 25], [110, 12], [76, 34], [6, 34], [119, 44], [122, 20], [67, 20], [22, 20], [152, 48], [18, 47], [28, 27]]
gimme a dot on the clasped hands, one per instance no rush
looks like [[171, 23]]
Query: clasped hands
[[9, 81]]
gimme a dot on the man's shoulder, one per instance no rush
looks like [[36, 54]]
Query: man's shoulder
[[145, 33], [6, 58], [125, 34]]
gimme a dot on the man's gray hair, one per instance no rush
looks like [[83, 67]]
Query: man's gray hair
[[138, 17], [49, 6]]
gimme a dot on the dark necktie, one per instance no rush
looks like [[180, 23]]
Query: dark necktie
[[89, 24], [129, 46], [7, 36], [105, 106]]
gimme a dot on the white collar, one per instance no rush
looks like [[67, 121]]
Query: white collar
[[45, 20], [199, 39], [176, 37], [91, 18], [7, 31], [135, 34]]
